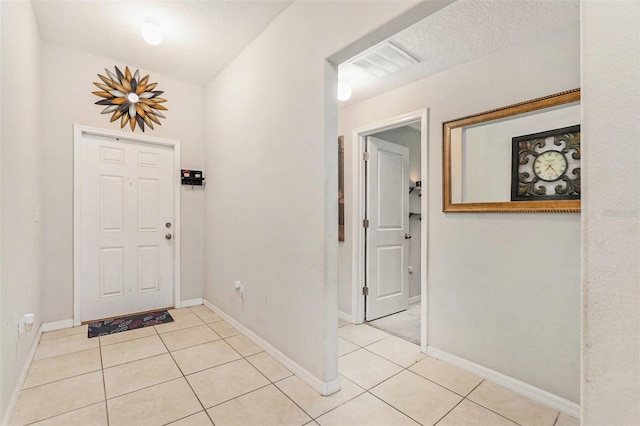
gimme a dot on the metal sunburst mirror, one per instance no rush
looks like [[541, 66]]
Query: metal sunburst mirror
[[130, 99]]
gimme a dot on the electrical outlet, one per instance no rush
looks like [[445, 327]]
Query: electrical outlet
[[20, 326], [239, 288]]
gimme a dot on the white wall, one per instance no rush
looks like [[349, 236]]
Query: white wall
[[611, 213], [271, 206], [409, 138], [503, 289], [67, 100], [21, 190]]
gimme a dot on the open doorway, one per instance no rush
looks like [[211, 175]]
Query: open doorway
[[390, 245], [392, 239]]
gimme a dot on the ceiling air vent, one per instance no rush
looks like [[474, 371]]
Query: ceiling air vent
[[383, 59]]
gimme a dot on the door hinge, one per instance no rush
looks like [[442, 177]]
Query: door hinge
[[365, 291], [365, 223], [365, 156]]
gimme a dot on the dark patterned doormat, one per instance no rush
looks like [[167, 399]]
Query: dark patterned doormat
[[118, 325]]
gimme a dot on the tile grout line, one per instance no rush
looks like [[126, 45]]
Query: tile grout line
[[225, 363], [59, 380], [273, 383], [493, 411], [367, 390], [63, 336], [490, 409], [57, 356], [340, 405], [448, 412], [242, 357], [104, 382], [397, 409], [387, 359], [127, 341], [70, 411], [245, 358], [410, 371], [185, 379], [102, 368], [464, 397], [77, 408], [170, 354], [196, 344], [291, 399], [270, 382]]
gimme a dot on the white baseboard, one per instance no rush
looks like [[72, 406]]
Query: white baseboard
[[536, 394], [345, 316], [323, 388], [190, 302], [23, 375], [415, 299], [57, 325]]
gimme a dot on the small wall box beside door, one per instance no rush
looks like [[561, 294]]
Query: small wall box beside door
[[192, 177]]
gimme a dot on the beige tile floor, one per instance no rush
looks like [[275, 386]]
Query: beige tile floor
[[199, 370]]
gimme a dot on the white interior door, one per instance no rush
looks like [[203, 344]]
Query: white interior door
[[387, 248], [127, 227]]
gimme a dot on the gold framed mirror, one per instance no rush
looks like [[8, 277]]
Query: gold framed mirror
[[519, 158]]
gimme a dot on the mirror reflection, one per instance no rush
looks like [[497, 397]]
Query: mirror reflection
[[482, 172], [481, 154]]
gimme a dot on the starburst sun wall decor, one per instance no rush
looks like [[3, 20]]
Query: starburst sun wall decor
[[130, 98]]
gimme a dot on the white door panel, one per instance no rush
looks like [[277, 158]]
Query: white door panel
[[387, 273], [127, 198], [390, 201]]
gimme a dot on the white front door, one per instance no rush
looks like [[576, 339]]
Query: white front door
[[387, 248], [127, 227]]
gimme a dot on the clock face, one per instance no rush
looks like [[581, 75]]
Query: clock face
[[550, 165], [546, 165]]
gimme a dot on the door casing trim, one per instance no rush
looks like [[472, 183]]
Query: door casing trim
[[358, 144], [78, 132]]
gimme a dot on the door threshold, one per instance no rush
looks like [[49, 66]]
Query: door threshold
[[126, 315]]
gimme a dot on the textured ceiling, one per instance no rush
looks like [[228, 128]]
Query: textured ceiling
[[199, 37], [462, 32], [202, 37]]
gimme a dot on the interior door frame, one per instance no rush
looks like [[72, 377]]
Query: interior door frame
[[78, 132], [358, 178]]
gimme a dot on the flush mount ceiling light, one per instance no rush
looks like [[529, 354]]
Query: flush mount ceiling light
[[344, 90], [130, 98], [151, 31]]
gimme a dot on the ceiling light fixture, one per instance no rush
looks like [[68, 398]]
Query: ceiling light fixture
[[344, 90], [151, 31]]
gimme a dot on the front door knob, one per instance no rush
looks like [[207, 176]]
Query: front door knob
[[168, 236], [407, 236]]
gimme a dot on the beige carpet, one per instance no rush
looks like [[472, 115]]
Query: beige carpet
[[405, 324]]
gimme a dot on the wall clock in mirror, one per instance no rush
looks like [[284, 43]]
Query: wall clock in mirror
[[546, 165]]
